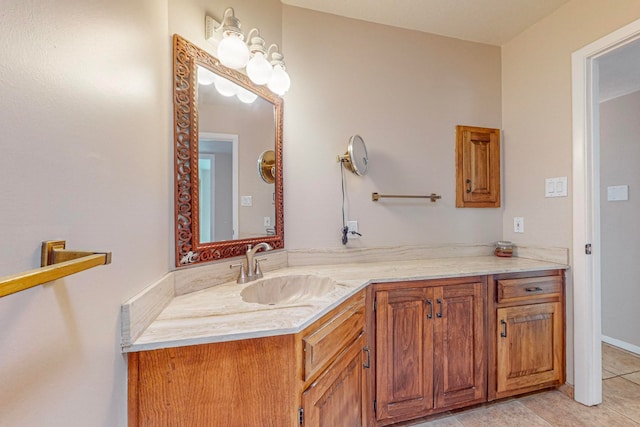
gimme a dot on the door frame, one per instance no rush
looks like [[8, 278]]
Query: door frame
[[587, 319], [233, 140]]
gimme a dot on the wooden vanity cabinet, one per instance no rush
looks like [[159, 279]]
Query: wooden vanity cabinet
[[429, 347], [336, 397], [528, 333], [313, 378], [336, 361], [477, 167], [238, 383]]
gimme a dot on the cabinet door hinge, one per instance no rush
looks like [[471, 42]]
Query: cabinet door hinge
[[587, 249], [301, 415]]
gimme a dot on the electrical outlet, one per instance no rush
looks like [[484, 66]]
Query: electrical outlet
[[518, 224], [353, 228], [267, 221]]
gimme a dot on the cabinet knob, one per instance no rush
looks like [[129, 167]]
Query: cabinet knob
[[468, 181]]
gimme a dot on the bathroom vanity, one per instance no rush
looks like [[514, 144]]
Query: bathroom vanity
[[388, 342]]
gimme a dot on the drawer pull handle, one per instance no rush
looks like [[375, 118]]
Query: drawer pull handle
[[439, 302], [468, 182], [430, 312], [503, 334], [535, 289]]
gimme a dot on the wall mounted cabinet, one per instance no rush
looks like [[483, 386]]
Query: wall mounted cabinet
[[477, 167]]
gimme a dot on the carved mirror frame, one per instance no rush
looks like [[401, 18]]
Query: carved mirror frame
[[188, 249]]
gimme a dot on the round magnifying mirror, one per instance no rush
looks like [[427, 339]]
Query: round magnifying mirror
[[356, 157], [267, 166]]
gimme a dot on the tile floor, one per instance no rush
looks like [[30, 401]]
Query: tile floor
[[620, 406]]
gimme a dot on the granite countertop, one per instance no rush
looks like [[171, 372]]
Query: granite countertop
[[219, 313]]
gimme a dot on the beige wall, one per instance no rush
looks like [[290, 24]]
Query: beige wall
[[536, 87], [86, 137], [536, 120], [403, 92], [619, 157], [84, 119]]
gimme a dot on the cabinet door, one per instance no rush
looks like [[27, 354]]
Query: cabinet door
[[404, 353], [459, 349], [477, 167], [529, 346], [335, 398]]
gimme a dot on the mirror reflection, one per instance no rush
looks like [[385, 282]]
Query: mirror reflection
[[223, 125], [235, 127]]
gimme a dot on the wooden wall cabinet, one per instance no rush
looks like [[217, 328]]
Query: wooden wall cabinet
[[528, 333], [477, 167], [429, 347]]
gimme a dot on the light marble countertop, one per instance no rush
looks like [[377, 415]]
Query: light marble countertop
[[218, 313]]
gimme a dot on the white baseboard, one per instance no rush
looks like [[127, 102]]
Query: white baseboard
[[621, 344]]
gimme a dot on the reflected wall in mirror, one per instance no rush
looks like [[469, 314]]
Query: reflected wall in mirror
[[222, 124]]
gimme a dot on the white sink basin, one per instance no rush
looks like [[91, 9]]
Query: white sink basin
[[287, 289]]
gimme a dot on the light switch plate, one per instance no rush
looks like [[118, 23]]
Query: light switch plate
[[246, 201], [617, 193], [518, 224], [555, 187]]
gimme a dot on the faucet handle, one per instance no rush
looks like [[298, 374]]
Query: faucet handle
[[242, 278], [258, 271]]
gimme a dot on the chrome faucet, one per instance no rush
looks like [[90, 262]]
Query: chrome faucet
[[253, 271]]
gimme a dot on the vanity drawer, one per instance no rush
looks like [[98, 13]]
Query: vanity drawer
[[529, 288], [323, 344]]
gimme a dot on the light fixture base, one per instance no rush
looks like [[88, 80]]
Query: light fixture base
[[210, 30]]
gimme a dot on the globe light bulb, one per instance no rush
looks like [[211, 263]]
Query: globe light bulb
[[280, 81], [226, 88], [246, 96], [233, 52], [258, 69], [205, 77]]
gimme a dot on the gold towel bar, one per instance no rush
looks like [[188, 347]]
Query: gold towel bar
[[56, 262], [433, 196]]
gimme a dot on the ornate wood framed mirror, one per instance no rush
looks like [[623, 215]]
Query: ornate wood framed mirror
[[222, 123]]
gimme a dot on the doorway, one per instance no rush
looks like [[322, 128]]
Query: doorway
[[586, 212]]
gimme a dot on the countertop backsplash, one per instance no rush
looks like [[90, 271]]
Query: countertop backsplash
[[157, 303]]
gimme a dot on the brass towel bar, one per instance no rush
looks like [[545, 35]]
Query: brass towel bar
[[433, 196], [56, 262]]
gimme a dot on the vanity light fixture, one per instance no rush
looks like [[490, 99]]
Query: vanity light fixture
[[259, 69], [280, 81], [264, 67], [232, 51]]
